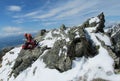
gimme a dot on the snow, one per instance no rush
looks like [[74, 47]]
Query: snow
[[65, 50], [94, 19], [49, 40], [56, 32], [114, 33], [46, 74], [104, 38], [60, 52], [48, 43], [100, 66], [48, 36], [113, 30], [77, 35], [8, 62]]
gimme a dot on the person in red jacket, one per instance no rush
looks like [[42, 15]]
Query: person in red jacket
[[30, 43]]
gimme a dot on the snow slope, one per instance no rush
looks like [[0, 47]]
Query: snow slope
[[8, 62], [100, 66]]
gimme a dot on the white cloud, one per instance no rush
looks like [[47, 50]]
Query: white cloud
[[57, 10], [74, 9], [27, 15], [14, 8], [68, 9], [32, 13], [52, 12], [10, 29], [18, 21]]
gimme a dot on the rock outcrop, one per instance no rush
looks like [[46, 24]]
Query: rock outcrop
[[41, 32], [60, 56], [98, 22], [63, 27], [112, 54], [116, 41], [25, 59], [62, 46], [4, 51], [114, 34], [81, 46], [101, 23], [56, 58], [68, 44]]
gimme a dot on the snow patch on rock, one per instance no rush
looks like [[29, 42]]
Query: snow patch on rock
[[94, 19]]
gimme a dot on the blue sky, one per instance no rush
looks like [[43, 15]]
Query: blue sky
[[19, 16]]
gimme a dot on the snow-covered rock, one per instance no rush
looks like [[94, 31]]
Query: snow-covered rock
[[113, 32], [94, 19], [54, 63]]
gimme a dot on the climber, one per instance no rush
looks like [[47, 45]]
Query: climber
[[30, 43]]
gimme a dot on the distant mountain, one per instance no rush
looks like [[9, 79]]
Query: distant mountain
[[113, 29], [114, 33], [11, 41]]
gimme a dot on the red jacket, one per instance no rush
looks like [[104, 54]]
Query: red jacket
[[28, 37]]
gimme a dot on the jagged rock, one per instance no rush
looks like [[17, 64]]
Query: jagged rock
[[4, 51], [116, 43], [114, 34], [42, 32], [60, 56], [26, 58], [113, 29], [87, 24], [63, 52], [40, 35], [71, 33], [112, 54], [117, 51], [63, 27], [98, 22], [81, 47], [101, 23], [55, 34], [68, 44], [117, 48], [56, 58]]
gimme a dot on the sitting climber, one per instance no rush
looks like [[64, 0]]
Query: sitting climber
[[30, 43]]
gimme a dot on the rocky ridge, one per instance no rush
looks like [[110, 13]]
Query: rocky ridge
[[114, 33], [59, 47], [3, 52]]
